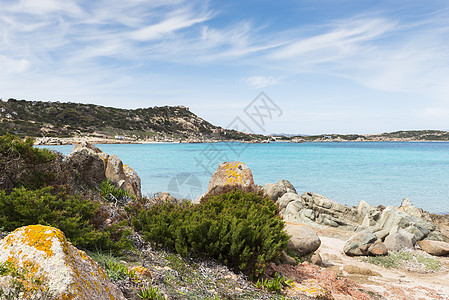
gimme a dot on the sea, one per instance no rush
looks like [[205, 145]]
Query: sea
[[381, 173]]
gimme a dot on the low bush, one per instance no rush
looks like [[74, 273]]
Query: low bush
[[407, 259], [58, 207], [12, 146], [21, 164], [238, 227]]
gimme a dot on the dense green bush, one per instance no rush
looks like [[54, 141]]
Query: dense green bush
[[57, 207], [21, 164], [238, 227], [12, 147]]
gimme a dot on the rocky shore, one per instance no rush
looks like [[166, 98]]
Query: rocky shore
[[334, 252]]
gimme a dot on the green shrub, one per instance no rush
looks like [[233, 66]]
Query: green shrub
[[21, 164], [12, 146], [238, 227], [57, 207]]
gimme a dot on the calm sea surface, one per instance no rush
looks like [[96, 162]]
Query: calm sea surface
[[377, 172]]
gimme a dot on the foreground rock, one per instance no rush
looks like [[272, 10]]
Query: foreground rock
[[93, 163], [303, 239], [434, 247], [231, 173], [67, 272]]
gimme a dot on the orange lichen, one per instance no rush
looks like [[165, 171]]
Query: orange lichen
[[141, 271], [233, 174]]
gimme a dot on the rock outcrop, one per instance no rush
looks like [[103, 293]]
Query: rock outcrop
[[231, 173], [276, 191], [66, 272], [93, 163]]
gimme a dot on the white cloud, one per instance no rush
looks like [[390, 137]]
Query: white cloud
[[259, 82], [171, 24], [15, 66]]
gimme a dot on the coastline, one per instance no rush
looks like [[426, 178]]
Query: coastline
[[52, 141]]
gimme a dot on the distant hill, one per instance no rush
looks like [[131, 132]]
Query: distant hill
[[58, 119], [412, 135]]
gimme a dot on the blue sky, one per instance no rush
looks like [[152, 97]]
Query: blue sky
[[332, 66]]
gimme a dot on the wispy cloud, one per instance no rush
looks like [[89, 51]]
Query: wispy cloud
[[259, 82], [104, 48]]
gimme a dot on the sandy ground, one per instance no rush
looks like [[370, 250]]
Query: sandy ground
[[391, 283]]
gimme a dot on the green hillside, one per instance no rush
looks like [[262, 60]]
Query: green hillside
[[57, 119]]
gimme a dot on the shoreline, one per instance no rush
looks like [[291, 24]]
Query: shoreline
[[55, 141]]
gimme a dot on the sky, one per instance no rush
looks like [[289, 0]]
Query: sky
[[329, 66]]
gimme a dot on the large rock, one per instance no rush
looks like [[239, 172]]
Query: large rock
[[87, 159], [275, 191], [399, 240], [360, 243], [231, 173], [67, 272], [89, 167], [304, 240], [434, 247]]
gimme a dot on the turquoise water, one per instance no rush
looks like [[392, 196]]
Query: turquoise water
[[377, 172]]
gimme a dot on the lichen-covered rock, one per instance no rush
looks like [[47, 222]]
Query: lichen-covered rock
[[231, 173], [67, 272]]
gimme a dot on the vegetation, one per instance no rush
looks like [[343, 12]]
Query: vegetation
[[54, 119], [150, 293], [21, 164], [412, 135], [407, 259], [273, 285], [238, 227], [57, 207], [111, 193]]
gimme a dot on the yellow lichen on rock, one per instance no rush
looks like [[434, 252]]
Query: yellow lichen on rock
[[231, 173], [44, 252]]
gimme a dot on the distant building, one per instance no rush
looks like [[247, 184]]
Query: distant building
[[2, 109], [8, 116], [119, 137]]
